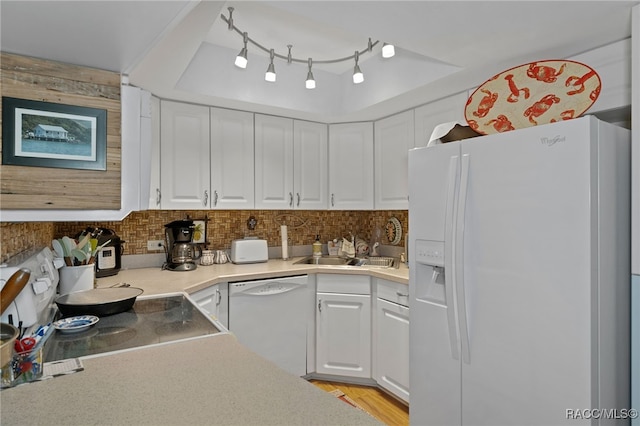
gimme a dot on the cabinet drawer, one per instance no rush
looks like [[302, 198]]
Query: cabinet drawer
[[393, 292], [346, 284]]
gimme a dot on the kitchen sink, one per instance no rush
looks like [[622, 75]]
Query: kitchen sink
[[372, 261], [326, 260]]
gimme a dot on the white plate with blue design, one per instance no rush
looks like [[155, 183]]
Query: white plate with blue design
[[75, 324]]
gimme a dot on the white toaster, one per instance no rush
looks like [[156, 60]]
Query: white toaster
[[249, 250]]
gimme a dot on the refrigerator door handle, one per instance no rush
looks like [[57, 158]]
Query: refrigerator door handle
[[449, 253], [461, 295]]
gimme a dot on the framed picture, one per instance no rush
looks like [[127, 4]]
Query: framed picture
[[45, 134], [199, 232]]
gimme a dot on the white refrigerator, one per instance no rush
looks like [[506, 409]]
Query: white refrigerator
[[519, 277]]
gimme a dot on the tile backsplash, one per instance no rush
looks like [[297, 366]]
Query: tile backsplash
[[223, 227], [17, 237]]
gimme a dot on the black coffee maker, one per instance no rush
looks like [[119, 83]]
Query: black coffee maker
[[180, 251]]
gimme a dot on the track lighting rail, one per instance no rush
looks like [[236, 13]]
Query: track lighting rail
[[288, 57], [270, 75]]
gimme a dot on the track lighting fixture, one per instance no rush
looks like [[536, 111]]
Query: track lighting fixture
[[388, 50], [270, 75], [310, 83], [241, 59], [358, 77]]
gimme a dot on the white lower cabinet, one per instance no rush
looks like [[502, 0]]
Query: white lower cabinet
[[343, 325], [391, 338], [215, 301]]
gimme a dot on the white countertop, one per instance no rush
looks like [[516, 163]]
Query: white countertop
[[158, 281]]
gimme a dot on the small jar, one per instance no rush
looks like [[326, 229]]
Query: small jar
[[207, 257]]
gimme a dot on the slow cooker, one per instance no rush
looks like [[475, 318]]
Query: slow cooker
[[108, 260]]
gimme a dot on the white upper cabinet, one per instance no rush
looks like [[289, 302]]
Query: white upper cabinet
[[232, 171], [428, 116], [290, 163], [351, 166], [184, 156], [613, 64], [154, 166], [394, 137], [310, 152], [273, 162]]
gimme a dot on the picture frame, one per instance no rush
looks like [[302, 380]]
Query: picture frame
[[46, 134], [199, 231]]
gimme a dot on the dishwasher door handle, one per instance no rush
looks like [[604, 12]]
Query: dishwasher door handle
[[268, 290]]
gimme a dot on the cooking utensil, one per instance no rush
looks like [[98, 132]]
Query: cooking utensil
[[57, 248], [80, 255], [69, 245], [83, 241], [98, 301], [65, 252], [8, 335], [13, 287]]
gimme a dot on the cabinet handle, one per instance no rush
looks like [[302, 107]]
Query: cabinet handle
[[206, 198], [401, 294], [319, 305], [215, 198], [332, 203], [158, 196], [218, 297], [298, 195], [291, 199]]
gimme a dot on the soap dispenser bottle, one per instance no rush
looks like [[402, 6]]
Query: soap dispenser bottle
[[317, 247]]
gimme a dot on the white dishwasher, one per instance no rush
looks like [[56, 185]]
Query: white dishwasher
[[270, 318]]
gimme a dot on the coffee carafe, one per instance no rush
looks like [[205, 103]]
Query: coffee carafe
[[179, 249]]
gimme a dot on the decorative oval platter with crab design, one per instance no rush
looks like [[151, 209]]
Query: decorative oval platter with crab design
[[531, 94], [393, 229]]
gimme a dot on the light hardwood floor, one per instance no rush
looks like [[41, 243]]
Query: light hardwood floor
[[377, 403]]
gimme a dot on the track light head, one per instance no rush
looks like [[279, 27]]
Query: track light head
[[358, 77], [310, 83], [388, 50], [270, 75], [241, 59]]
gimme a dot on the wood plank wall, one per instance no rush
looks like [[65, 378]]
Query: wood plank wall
[[54, 188]]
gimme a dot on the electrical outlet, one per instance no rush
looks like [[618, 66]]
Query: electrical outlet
[[155, 245]]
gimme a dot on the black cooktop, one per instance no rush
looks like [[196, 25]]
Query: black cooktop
[[150, 321]]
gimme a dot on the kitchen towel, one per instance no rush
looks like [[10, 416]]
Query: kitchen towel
[[348, 249], [285, 247]]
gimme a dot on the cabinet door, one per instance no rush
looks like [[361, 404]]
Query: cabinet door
[[343, 334], [215, 301], [184, 156], [394, 137], [232, 171], [428, 116], [273, 162], [392, 348], [351, 166], [310, 150], [154, 179]]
